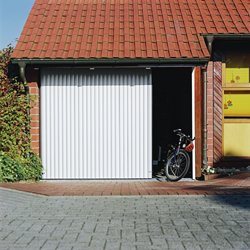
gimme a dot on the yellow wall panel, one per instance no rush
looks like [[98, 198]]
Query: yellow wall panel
[[237, 104], [237, 139], [237, 75]]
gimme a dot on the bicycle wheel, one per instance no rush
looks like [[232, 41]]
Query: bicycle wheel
[[178, 169]]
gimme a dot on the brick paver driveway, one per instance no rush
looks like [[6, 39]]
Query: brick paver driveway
[[236, 184], [145, 219]]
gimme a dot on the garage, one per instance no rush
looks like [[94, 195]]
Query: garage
[[72, 137], [108, 123], [96, 123]]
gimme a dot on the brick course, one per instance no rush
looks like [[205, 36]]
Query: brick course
[[32, 77], [210, 114]]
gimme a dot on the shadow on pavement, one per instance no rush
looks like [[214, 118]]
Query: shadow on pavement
[[240, 201]]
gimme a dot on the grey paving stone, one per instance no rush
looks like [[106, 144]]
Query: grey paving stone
[[148, 222], [100, 243], [13, 237], [18, 246], [158, 241], [222, 243], [128, 234], [186, 235], [36, 243], [143, 237], [115, 245], [81, 246], [247, 242], [239, 245], [155, 228], [151, 248], [59, 233], [50, 245], [191, 245], [175, 245], [4, 246], [25, 239], [69, 237], [244, 232]]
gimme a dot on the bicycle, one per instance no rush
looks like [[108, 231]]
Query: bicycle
[[178, 160]]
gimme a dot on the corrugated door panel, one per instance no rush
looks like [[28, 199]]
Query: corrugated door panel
[[96, 124]]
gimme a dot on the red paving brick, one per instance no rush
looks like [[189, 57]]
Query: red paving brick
[[236, 184]]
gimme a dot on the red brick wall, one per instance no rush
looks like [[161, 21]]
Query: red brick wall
[[32, 77], [217, 109], [210, 114], [214, 110]]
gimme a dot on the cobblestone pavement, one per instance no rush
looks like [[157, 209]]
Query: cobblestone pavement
[[236, 184], [30, 221]]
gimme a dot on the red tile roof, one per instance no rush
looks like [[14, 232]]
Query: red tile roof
[[128, 28]]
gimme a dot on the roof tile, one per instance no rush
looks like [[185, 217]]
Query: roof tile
[[40, 45], [141, 29]]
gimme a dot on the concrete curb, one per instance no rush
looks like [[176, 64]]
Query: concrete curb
[[22, 192]]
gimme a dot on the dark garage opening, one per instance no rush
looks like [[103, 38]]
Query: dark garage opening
[[172, 108]]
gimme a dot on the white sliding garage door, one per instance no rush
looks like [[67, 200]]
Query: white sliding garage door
[[96, 124]]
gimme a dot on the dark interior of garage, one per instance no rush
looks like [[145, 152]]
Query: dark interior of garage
[[172, 108]]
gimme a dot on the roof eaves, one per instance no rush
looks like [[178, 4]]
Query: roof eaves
[[245, 36], [112, 61]]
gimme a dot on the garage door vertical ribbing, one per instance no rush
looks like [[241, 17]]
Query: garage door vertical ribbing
[[96, 123]]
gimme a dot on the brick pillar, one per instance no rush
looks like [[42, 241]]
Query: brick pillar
[[32, 77], [210, 115]]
